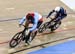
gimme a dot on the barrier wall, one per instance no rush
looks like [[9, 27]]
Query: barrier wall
[[69, 3]]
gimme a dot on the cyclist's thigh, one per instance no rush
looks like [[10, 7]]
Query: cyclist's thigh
[[39, 23]]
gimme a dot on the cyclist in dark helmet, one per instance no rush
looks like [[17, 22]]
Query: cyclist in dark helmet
[[35, 18]]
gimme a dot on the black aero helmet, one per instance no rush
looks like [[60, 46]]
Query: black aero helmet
[[30, 16]]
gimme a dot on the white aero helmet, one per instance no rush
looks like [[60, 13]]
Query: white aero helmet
[[57, 9]]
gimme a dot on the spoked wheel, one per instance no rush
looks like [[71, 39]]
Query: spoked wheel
[[43, 27], [15, 40], [56, 25]]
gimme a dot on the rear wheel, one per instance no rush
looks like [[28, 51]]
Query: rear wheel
[[43, 27], [15, 40], [32, 36], [56, 25]]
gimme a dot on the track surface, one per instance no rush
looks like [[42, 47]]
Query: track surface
[[15, 9]]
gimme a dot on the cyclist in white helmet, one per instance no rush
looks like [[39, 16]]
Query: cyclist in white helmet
[[60, 13]]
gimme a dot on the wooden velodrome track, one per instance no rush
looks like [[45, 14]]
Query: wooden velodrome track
[[14, 9]]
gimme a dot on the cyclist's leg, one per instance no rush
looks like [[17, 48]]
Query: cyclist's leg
[[27, 38], [56, 22], [57, 19], [60, 18], [39, 23], [26, 26]]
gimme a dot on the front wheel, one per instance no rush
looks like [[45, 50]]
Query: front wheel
[[15, 40]]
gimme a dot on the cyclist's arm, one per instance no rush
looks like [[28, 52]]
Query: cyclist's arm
[[50, 13], [22, 20], [34, 25]]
